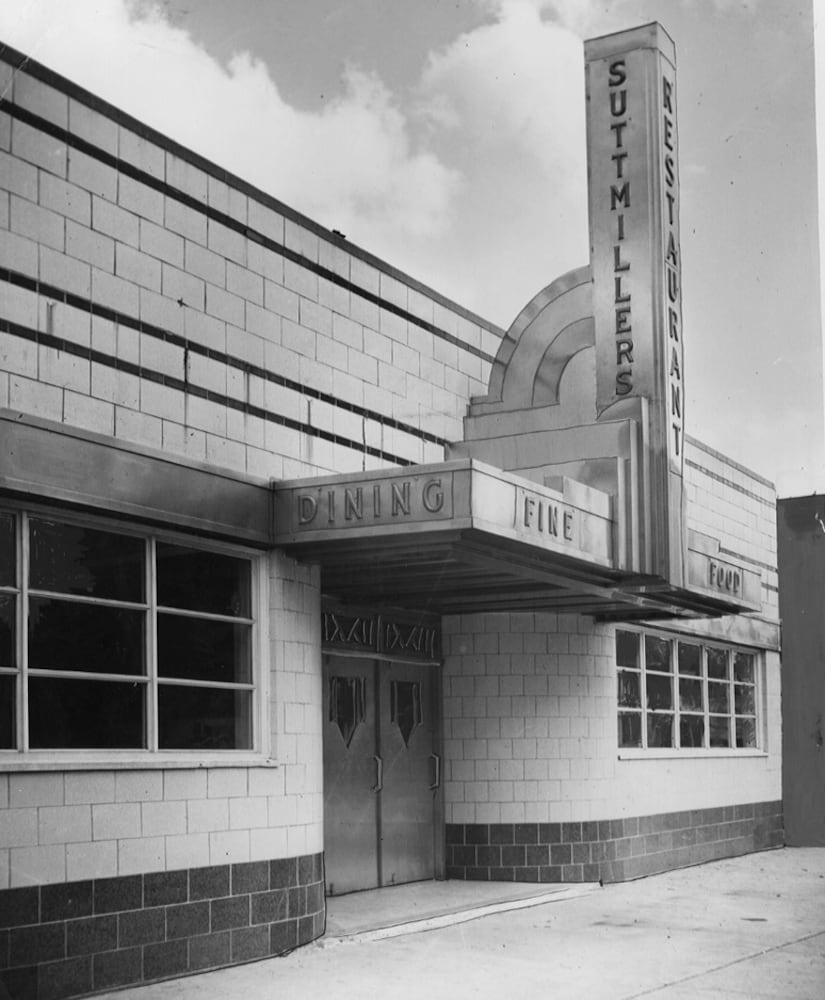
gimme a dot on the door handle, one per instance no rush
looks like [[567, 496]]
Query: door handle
[[379, 774], [437, 776]]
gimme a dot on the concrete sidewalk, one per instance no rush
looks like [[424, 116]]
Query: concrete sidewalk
[[425, 906], [745, 928]]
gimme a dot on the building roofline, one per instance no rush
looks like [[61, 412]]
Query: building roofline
[[20, 61]]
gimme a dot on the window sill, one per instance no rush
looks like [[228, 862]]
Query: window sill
[[112, 761], [664, 753]]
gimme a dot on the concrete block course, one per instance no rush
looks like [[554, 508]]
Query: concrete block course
[[90, 174], [142, 153], [135, 196], [106, 931], [92, 126], [36, 223], [109, 219], [185, 221], [41, 99], [38, 148], [609, 850]]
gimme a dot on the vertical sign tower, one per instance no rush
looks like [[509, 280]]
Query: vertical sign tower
[[636, 266]]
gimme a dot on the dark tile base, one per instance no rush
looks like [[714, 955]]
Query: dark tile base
[[84, 937], [610, 850]]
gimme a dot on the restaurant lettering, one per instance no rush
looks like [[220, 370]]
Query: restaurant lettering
[[672, 264], [384, 501], [728, 579], [634, 231], [540, 516], [620, 205]]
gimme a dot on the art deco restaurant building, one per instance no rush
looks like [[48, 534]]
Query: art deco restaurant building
[[312, 581]]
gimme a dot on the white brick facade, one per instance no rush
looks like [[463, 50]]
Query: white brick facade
[[148, 304], [312, 314], [530, 699], [149, 298]]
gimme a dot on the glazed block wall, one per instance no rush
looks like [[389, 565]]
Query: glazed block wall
[[295, 700], [530, 698], [729, 502], [63, 826], [149, 296], [530, 730]]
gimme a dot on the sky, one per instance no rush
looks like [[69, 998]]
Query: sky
[[447, 137]]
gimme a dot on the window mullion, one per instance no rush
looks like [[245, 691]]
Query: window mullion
[[705, 697], [674, 687], [151, 647], [759, 715], [23, 631], [643, 681]]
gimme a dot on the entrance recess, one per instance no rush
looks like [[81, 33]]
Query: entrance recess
[[382, 772]]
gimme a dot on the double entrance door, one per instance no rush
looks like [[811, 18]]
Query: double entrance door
[[382, 772]]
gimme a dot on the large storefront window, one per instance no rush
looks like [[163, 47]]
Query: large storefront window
[[682, 693], [122, 641]]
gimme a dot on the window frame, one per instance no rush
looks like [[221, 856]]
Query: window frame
[[704, 642], [150, 756]]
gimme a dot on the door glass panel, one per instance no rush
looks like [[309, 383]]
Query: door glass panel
[[405, 709], [347, 705], [84, 561]]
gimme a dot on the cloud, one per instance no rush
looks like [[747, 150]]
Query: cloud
[[354, 161], [482, 161], [518, 81], [504, 105], [580, 17]]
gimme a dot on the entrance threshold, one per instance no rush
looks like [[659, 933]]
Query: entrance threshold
[[422, 906]]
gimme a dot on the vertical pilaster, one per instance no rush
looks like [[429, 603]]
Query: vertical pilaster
[[636, 264]]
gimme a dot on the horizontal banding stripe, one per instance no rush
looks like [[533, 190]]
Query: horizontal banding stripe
[[129, 170], [89, 354], [104, 312]]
